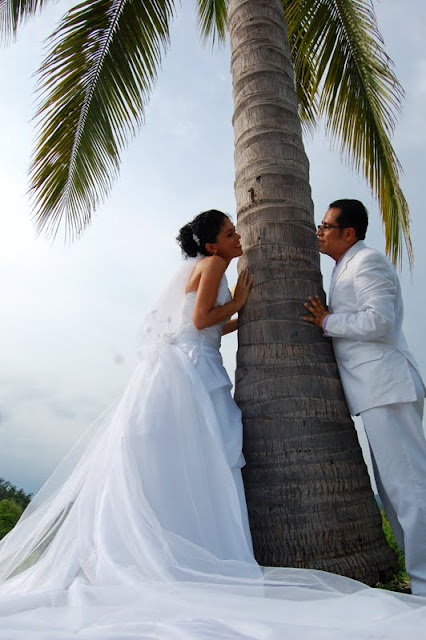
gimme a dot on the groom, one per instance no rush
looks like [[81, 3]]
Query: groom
[[380, 376]]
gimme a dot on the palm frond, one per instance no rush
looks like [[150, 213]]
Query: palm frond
[[94, 84], [303, 68], [344, 74], [212, 15], [13, 13]]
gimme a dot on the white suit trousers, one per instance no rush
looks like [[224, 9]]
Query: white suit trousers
[[398, 451]]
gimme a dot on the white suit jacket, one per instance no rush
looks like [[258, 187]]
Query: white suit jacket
[[365, 325]]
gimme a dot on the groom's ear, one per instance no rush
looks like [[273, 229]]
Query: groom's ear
[[350, 234]]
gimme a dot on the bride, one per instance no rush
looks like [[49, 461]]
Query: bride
[[142, 531]]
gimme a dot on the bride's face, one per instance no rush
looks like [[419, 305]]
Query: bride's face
[[227, 244]]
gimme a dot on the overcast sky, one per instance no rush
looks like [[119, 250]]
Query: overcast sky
[[70, 314]]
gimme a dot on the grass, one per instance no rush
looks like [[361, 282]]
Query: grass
[[400, 581]]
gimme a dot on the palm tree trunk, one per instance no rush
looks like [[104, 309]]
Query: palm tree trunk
[[308, 490]]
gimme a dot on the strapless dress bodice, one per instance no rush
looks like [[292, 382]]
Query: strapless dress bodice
[[210, 337]]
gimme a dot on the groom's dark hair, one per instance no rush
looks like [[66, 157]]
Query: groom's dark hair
[[352, 214]]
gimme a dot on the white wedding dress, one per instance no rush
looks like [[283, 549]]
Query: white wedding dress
[[142, 532]]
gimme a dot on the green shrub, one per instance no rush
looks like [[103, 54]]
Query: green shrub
[[10, 512], [400, 581], [9, 492]]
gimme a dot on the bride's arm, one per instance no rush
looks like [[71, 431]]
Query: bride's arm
[[205, 313], [230, 326]]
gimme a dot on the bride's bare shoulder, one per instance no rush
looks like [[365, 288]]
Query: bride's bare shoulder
[[210, 269], [212, 265]]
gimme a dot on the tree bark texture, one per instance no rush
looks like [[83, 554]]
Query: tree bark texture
[[308, 490]]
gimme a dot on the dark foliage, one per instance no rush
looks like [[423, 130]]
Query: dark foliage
[[9, 492]]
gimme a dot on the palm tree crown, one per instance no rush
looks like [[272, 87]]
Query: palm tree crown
[[102, 62]]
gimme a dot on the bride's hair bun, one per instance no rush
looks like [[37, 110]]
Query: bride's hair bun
[[203, 229], [187, 242]]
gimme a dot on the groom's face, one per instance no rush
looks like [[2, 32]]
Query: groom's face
[[332, 238]]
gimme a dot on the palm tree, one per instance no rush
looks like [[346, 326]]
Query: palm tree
[[309, 498], [308, 488]]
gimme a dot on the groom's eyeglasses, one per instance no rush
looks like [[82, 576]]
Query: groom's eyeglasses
[[325, 226]]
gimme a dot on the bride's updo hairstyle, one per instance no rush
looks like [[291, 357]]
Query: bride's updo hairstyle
[[203, 229]]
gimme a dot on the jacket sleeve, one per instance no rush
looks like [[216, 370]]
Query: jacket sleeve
[[375, 287]]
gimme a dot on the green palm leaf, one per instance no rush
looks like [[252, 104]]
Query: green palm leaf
[[94, 83], [344, 74], [15, 12], [212, 16]]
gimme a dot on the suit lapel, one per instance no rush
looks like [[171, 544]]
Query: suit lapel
[[342, 266]]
